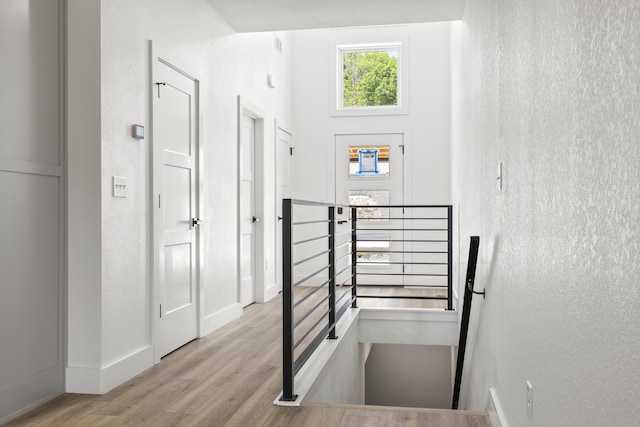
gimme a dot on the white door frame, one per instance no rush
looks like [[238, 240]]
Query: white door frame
[[159, 54], [278, 237], [257, 114]]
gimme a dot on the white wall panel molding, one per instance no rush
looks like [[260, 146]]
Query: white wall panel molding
[[17, 166]]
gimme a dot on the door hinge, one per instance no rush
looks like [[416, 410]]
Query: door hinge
[[159, 203], [402, 148], [160, 84]]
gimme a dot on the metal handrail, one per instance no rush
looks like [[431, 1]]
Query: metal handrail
[[330, 307]]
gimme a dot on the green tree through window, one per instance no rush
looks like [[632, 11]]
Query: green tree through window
[[370, 78]]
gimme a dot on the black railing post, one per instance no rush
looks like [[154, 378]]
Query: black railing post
[[287, 302], [332, 273], [449, 257], [354, 257]]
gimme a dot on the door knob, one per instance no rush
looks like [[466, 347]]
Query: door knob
[[279, 218], [255, 219], [195, 222]]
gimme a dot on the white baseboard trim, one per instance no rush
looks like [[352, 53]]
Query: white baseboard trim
[[126, 368], [102, 380], [270, 292], [220, 318], [496, 414]]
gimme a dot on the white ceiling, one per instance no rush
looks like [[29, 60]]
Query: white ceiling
[[281, 15]]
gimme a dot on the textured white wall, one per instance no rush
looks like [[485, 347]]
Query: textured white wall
[[227, 65], [551, 89]]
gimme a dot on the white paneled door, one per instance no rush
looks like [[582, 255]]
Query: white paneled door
[[248, 218], [175, 139]]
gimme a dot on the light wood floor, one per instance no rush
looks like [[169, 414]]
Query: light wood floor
[[229, 378]]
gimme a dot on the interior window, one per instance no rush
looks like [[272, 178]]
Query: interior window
[[368, 76]]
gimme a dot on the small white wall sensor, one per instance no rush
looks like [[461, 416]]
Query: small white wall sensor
[[137, 131]]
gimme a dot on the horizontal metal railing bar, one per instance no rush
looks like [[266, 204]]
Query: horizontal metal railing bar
[[310, 312], [348, 267], [320, 221], [399, 218], [399, 285], [344, 257], [443, 297], [304, 356], [311, 203], [319, 254], [310, 294], [343, 308], [363, 263], [401, 252], [401, 229], [343, 245], [402, 241], [342, 297], [306, 334], [348, 280], [402, 274], [311, 275], [313, 239], [343, 234], [401, 206]]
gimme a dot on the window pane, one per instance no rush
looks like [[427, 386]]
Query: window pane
[[371, 198], [370, 78], [369, 160]]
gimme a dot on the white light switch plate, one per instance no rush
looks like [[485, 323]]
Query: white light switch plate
[[119, 186]]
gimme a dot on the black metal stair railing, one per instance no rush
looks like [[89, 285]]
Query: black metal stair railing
[[466, 313], [325, 247]]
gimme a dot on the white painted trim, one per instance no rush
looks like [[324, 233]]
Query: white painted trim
[[313, 368], [257, 114], [126, 368], [408, 326], [84, 380], [158, 54], [270, 292], [494, 408], [102, 380], [220, 318], [278, 126]]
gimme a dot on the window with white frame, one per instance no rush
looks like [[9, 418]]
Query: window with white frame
[[369, 76]]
